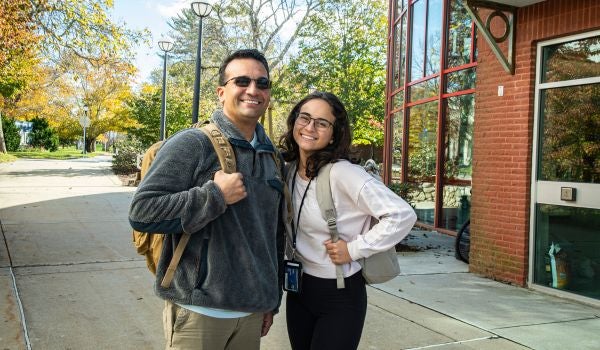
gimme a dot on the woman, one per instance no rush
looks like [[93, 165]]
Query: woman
[[319, 315]]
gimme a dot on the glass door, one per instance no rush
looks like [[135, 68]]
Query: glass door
[[565, 212]]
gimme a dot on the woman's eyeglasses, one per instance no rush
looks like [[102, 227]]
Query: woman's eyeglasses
[[244, 81], [304, 119]]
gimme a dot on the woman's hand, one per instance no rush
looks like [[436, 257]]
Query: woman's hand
[[338, 252]]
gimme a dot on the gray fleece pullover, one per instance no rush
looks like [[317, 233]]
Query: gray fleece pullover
[[233, 258]]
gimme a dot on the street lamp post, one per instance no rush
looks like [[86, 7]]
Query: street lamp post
[[165, 46], [84, 120], [201, 9]]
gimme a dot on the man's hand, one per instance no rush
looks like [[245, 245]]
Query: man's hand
[[267, 322], [338, 252], [231, 185]]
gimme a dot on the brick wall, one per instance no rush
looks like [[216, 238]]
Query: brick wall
[[503, 134]]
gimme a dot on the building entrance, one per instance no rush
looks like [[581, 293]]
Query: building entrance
[[565, 213]]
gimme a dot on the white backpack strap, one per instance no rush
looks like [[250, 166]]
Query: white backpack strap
[[325, 201]]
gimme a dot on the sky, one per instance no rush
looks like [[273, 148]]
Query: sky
[[153, 15]]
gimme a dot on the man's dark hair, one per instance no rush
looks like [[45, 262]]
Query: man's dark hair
[[240, 54], [342, 135]]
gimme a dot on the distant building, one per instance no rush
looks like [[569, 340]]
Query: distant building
[[25, 129], [493, 114]]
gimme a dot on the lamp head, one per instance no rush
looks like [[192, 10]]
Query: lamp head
[[201, 9], [165, 45]]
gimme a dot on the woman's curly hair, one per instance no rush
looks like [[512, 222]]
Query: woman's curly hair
[[342, 135]]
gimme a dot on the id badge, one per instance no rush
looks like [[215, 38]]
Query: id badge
[[292, 276]]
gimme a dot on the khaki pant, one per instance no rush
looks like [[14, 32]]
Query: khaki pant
[[185, 329]]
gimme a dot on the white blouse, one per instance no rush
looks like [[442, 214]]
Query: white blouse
[[357, 197]]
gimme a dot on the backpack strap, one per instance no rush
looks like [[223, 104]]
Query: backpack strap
[[170, 273], [222, 147], [325, 201], [227, 160], [286, 191]]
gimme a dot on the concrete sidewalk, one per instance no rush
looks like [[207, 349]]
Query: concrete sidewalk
[[71, 279]]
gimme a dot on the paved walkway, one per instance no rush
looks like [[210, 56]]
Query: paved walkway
[[71, 279]]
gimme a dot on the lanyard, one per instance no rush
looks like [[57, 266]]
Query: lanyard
[[295, 226]]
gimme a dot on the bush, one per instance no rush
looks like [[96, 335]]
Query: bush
[[12, 137], [125, 161], [42, 135]]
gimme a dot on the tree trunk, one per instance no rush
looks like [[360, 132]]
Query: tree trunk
[[2, 143], [90, 145]]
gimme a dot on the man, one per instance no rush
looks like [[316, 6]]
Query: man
[[226, 288]]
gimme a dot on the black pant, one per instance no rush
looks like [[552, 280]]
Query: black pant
[[324, 317]]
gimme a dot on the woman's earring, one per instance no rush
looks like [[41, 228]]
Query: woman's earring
[[331, 141]]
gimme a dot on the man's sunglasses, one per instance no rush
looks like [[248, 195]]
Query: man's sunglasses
[[244, 81]]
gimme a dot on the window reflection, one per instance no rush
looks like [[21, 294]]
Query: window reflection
[[434, 37], [396, 72], [422, 141], [423, 57], [422, 150], [425, 89], [398, 100], [399, 64], [459, 35], [572, 60], [460, 80], [418, 41], [398, 123], [458, 160], [570, 140]]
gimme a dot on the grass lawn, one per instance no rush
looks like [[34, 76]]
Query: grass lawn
[[6, 158], [61, 153]]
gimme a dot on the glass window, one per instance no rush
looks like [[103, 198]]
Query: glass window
[[422, 141], [569, 134], [459, 35], [417, 53], [458, 161], [434, 37], [398, 123], [460, 80], [398, 100], [572, 60], [397, 73], [400, 6], [403, 50], [425, 89], [399, 64], [422, 151], [567, 249], [418, 40]]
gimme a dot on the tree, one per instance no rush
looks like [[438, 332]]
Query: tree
[[145, 109], [82, 28], [11, 134], [65, 88], [350, 63], [104, 86], [67, 28], [42, 135], [17, 50], [269, 26], [18, 43]]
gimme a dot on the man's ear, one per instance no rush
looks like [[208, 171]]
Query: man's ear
[[221, 93]]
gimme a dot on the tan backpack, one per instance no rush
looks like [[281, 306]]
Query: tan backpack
[[150, 244]]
